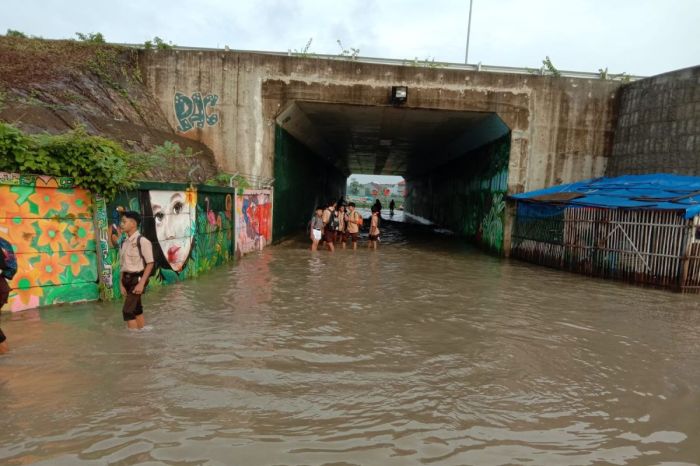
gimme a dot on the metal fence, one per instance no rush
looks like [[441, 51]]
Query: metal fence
[[649, 247]]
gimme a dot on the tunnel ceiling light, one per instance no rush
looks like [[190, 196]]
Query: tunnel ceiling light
[[399, 95]]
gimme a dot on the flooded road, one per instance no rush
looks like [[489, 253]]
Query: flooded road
[[423, 352]]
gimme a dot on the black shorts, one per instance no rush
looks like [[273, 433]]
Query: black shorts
[[354, 237], [4, 291], [4, 295], [132, 302], [373, 237]]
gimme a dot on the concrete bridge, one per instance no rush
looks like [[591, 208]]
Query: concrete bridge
[[463, 139]]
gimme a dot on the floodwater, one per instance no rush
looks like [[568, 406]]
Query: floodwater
[[423, 352]]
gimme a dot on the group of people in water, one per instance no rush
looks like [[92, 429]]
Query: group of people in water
[[337, 222]]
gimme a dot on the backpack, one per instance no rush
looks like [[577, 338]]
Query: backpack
[[143, 259], [332, 221], [355, 216], [8, 259]]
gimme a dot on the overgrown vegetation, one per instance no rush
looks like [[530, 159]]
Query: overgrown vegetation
[[95, 163], [351, 53], [13, 33], [304, 52], [158, 44], [549, 66], [624, 77], [228, 179], [91, 38]]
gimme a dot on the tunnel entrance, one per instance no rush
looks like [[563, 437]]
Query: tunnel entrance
[[455, 163]]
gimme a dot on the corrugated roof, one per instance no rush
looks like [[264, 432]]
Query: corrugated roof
[[656, 191]]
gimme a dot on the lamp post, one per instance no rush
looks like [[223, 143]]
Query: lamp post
[[469, 28]]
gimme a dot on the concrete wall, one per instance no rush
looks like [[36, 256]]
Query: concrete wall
[[302, 182], [658, 129], [561, 128]]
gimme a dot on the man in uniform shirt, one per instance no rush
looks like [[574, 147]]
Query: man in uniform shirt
[[136, 260]]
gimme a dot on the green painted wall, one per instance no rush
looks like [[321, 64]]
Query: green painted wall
[[202, 225], [467, 195], [302, 181]]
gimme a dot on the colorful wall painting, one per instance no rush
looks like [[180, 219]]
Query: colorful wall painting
[[467, 195], [49, 222], [191, 229], [253, 220]]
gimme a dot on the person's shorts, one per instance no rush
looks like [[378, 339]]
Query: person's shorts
[[4, 295], [316, 234], [354, 237], [4, 291], [132, 302], [329, 236], [341, 236], [374, 237]]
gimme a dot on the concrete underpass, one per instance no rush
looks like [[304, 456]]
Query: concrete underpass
[[463, 139], [455, 162]]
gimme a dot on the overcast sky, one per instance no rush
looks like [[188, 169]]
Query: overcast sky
[[381, 179], [642, 37]]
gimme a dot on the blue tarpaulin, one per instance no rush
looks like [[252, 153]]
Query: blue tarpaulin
[[656, 192]]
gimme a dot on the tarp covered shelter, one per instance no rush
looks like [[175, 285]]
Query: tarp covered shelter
[[639, 228]]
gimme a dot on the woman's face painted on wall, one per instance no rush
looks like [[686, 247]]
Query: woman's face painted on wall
[[175, 219]]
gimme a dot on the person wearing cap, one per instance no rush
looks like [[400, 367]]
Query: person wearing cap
[[136, 261]]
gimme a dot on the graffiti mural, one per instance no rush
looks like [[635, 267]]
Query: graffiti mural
[[253, 220], [196, 111], [50, 225], [191, 231], [472, 191]]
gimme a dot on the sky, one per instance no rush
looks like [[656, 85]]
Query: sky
[[381, 179], [639, 37]]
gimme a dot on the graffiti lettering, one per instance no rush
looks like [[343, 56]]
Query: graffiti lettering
[[191, 112]]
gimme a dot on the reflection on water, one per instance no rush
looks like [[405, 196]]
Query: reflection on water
[[424, 351]]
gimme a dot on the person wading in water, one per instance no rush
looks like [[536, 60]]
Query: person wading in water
[[136, 260]]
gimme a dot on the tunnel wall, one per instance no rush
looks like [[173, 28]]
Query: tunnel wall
[[467, 195], [302, 181], [658, 130]]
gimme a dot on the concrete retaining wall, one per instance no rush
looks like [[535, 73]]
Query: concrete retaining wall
[[658, 129]]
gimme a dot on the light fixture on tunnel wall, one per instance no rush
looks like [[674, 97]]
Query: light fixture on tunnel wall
[[399, 95]]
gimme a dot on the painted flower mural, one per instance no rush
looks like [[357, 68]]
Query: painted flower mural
[[49, 224]]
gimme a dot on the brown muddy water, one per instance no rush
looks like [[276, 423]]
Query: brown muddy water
[[423, 352]]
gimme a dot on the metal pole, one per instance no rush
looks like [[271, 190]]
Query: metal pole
[[469, 28]]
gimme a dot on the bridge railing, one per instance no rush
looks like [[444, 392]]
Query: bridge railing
[[417, 63]]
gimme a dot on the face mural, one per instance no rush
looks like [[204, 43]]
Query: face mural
[[174, 218]]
